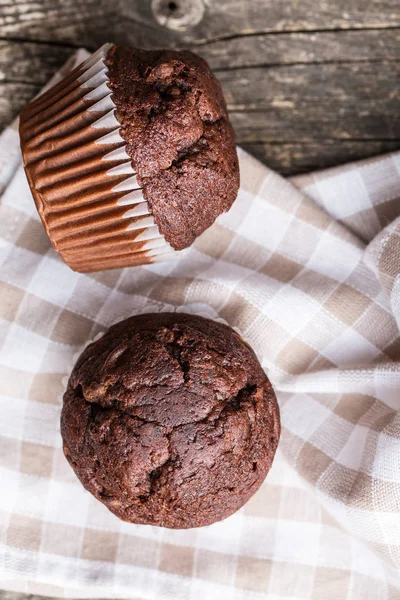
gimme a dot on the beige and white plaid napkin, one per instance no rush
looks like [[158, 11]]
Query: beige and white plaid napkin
[[309, 270]]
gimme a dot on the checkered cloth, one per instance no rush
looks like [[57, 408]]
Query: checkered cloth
[[309, 270]]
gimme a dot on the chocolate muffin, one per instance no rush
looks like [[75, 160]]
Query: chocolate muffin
[[170, 420], [130, 157]]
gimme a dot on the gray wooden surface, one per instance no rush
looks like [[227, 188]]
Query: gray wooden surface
[[308, 84]]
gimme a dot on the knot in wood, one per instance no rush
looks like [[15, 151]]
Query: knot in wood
[[178, 15]]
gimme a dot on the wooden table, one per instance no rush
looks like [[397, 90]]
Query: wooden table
[[308, 84], [307, 87]]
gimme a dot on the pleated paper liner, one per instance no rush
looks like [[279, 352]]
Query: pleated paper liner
[[81, 177]]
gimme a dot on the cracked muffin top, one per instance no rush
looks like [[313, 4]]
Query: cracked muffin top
[[174, 121], [170, 420]]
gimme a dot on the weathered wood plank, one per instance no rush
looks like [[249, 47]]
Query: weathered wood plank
[[225, 18], [289, 48], [36, 62], [302, 157], [24, 70], [94, 21], [74, 22], [13, 96], [30, 62], [314, 102]]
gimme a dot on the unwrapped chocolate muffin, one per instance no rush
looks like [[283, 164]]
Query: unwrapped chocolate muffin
[[170, 420], [130, 157]]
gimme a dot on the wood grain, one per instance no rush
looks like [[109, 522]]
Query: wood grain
[[302, 157], [306, 88], [72, 22], [89, 22], [308, 102], [227, 18], [303, 48]]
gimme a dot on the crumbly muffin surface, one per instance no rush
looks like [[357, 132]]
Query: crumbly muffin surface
[[169, 420], [174, 120]]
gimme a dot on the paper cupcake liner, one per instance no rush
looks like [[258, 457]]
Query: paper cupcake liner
[[196, 309], [81, 176]]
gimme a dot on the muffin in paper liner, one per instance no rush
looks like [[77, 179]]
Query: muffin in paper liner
[[82, 180]]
